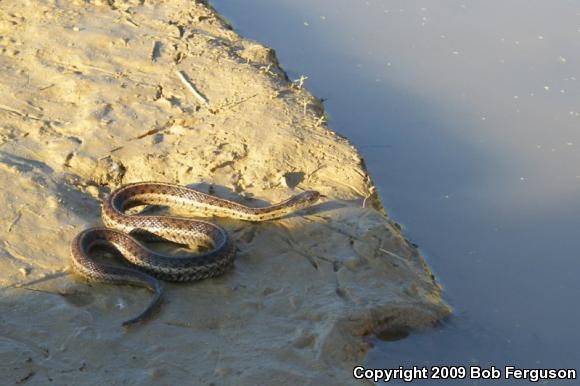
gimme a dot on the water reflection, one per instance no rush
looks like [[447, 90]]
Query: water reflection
[[468, 117]]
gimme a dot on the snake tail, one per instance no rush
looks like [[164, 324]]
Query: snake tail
[[99, 272]]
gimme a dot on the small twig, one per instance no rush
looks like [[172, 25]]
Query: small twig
[[111, 151], [320, 121], [26, 378], [299, 83], [13, 111], [46, 87], [394, 255], [130, 21], [233, 104], [49, 277], [156, 130], [127, 18], [183, 77], [365, 201], [16, 218], [150, 132], [266, 69]]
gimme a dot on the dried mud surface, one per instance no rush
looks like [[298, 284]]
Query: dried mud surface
[[90, 98]]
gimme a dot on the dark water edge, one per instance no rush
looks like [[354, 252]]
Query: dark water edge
[[467, 117]]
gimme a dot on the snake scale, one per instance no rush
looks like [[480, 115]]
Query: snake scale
[[146, 265]]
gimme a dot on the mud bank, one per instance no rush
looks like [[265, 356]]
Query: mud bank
[[97, 94]]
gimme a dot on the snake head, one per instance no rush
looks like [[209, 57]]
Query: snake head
[[307, 198]]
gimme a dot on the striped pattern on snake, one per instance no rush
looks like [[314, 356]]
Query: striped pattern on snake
[[146, 266]]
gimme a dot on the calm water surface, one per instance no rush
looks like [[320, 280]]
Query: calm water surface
[[468, 114]]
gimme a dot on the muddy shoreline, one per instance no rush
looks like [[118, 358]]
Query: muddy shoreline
[[97, 94]]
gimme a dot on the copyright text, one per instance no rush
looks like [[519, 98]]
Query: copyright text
[[410, 374]]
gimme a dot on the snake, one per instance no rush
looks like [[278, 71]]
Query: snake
[[143, 266]]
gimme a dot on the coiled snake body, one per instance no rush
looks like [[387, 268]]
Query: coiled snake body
[[149, 265]]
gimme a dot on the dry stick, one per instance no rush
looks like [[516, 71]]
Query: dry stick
[[233, 104], [16, 219], [183, 77], [20, 114], [155, 130], [111, 151], [395, 256], [46, 278]]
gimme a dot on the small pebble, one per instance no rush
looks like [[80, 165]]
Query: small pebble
[[25, 271]]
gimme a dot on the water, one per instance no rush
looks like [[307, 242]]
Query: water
[[467, 114]]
